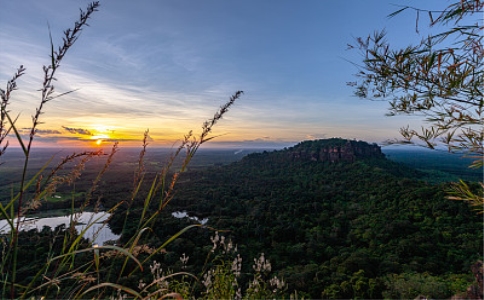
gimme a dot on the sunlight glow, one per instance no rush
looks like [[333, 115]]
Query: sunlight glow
[[100, 133], [100, 136]]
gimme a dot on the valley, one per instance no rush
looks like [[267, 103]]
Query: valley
[[336, 218]]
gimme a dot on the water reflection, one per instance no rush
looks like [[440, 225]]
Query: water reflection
[[184, 214], [98, 232]]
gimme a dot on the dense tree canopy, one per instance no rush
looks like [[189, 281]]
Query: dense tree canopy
[[331, 229]]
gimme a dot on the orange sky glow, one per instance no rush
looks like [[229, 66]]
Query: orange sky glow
[[173, 64]]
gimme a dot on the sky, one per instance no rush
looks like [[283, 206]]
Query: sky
[[167, 66]]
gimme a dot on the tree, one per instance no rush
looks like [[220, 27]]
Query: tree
[[440, 78]]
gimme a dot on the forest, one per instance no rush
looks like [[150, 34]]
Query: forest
[[368, 228], [357, 226], [330, 218]]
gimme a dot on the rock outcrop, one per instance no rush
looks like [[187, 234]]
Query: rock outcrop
[[476, 290], [334, 150]]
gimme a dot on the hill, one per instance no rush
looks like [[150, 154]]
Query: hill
[[336, 218], [437, 165], [333, 150]]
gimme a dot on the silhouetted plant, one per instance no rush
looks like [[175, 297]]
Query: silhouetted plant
[[440, 78], [74, 267]]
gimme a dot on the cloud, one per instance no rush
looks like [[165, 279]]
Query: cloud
[[315, 136], [263, 142], [77, 130], [47, 131]]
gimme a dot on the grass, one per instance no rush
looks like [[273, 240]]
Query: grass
[[70, 266], [61, 263]]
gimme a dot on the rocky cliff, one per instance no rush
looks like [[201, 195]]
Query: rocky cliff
[[334, 150]]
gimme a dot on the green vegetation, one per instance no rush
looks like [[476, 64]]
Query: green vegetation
[[331, 230], [367, 228], [438, 166], [323, 219], [440, 79], [64, 264]]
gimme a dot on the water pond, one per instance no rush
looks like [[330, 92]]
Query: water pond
[[98, 232], [184, 214]]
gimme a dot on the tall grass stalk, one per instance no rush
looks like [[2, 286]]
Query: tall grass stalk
[[47, 90], [75, 268]]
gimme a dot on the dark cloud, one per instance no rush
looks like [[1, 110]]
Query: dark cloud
[[264, 142], [77, 130], [39, 131], [47, 131]]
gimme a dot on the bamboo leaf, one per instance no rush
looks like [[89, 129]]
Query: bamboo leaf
[[431, 60], [393, 14]]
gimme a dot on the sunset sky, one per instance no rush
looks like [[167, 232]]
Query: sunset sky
[[167, 66]]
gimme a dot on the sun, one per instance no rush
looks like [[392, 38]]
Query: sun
[[98, 139], [101, 134]]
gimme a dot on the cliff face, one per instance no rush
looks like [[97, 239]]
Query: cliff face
[[334, 150]]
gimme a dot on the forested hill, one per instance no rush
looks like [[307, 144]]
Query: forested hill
[[327, 150], [360, 226], [333, 150]]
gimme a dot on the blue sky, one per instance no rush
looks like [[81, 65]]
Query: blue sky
[[168, 66]]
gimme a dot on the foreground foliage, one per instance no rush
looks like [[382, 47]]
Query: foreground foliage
[[61, 263], [321, 229], [440, 78]]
